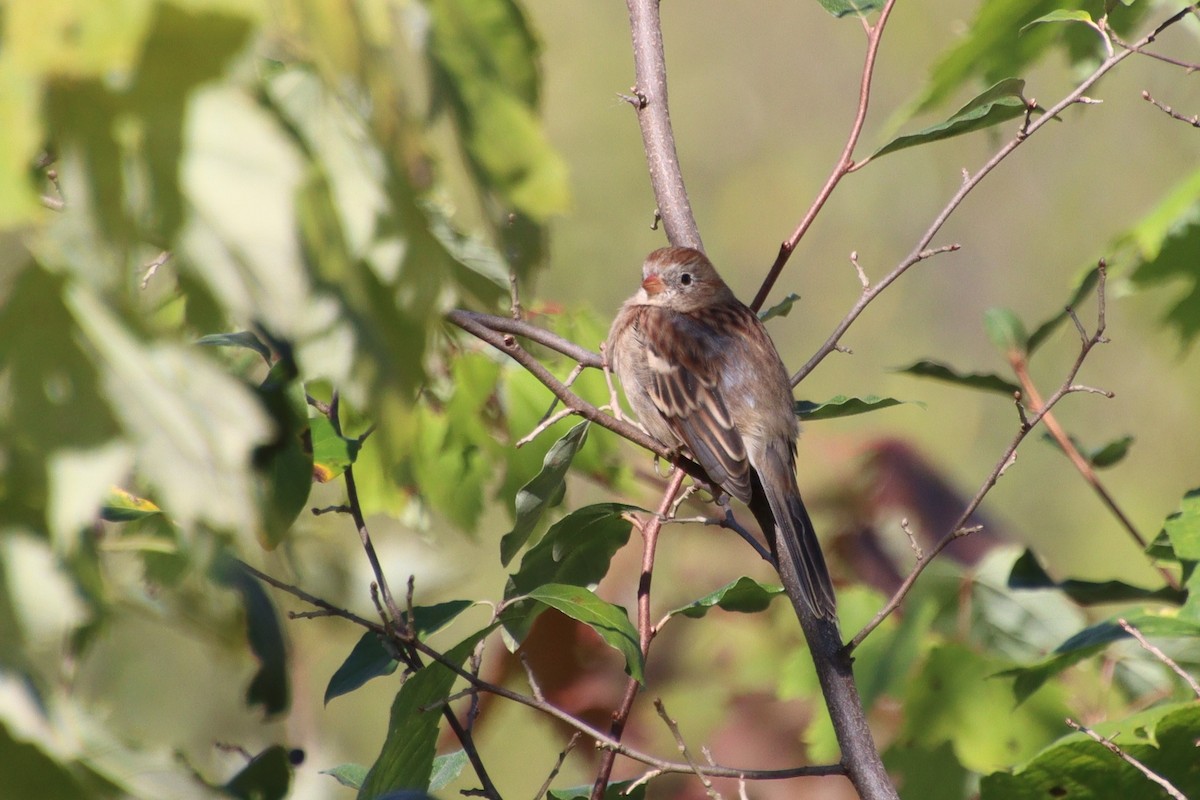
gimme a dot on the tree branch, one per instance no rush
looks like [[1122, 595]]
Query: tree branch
[[654, 119], [845, 163], [650, 530]]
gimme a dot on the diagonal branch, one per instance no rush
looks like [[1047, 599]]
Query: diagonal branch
[[845, 164]]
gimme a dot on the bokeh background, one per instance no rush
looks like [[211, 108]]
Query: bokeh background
[[762, 98]]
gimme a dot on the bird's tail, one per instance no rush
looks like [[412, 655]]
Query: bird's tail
[[781, 514]]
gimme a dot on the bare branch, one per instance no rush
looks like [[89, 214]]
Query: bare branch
[[843, 167], [654, 119]]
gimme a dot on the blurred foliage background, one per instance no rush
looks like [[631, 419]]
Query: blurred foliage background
[[334, 176]]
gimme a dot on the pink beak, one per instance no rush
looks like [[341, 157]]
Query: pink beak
[[653, 285]]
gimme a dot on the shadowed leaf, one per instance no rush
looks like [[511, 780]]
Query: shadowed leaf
[[972, 380]]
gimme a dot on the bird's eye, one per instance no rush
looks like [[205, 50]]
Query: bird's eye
[[686, 279]]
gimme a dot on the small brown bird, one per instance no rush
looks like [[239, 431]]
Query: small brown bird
[[701, 372]]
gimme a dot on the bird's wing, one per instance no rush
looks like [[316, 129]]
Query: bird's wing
[[685, 365]]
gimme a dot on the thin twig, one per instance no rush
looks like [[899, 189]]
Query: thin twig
[[620, 717], [845, 163], [542, 706], [969, 183], [1017, 359], [562, 757], [1193, 120], [1115, 749], [958, 529], [1161, 656], [683, 749]]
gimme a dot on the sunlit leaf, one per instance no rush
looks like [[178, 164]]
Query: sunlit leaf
[[1163, 248], [841, 8], [331, 453], [447, 768], [349, 775], [576, 550], [122, 506], [609, 621], [1060, 15], [1162, 739], [1183, 527], [780, 309], [1002, 102], [957, 700], [745, 595]]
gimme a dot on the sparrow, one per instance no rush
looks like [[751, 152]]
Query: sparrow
[[701, 373]]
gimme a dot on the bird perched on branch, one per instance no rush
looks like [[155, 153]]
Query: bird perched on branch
[[701, 372]]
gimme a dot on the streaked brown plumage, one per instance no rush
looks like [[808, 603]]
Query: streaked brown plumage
[[701, 372]]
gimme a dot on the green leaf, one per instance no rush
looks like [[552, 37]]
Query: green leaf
[[1090, 641], [544, 491], [991, 48], [1005, 330], [930, 773], [121, 506], [348, 775], [270, 686], [1086, 284], [745, 596], [956, 700], [407, 757], [369, 659], [780, 309], [1106, 455], [1060, 15], [331, 453], [609, 621], [1163, 739], [987, 382], [484, 57], [447, 768], [247, 339], [841, 8], [1183, 527], [1027, 573], [268, 776], [577, 550], [842, 406], [1163, 248], [1001, 102]]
